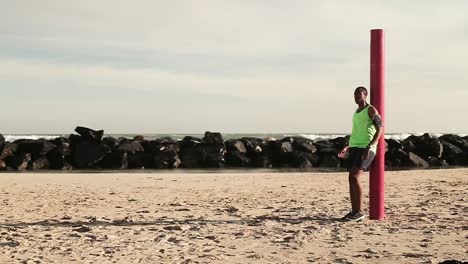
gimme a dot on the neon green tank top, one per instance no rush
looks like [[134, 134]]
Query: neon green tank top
[[363, 130]]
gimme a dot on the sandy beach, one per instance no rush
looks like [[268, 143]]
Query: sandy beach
[[234, 217]]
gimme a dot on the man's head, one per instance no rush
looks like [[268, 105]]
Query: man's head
[[360, 95]]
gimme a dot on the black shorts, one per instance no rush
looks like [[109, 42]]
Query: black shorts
[[354, 159]]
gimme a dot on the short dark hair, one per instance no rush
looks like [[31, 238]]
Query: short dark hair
[[361, 89]]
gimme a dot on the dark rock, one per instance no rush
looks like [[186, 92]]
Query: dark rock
[[237, 159], [424, 146], [166, 158], [37, 148], [59, 141], [155, 146], [60, 157], [281, 152], [397, 158], [454, 155], [87, 154], [258, 151], [340, 142], [189, 142], [304, 145], [254, 145], [131, 147], [139, 138], [191, 156], [417, 161], [235, 145], [115, 160], [213, 138], [393, 144], [111, 142], [18, 162], [304, 160], [7, 149], [213, 155], [436, 162], [456, 140], [75, 140], [328, 160], [2, 138], [326, 146], [140, 160], [3, 165], [90, 134], [38, 164]]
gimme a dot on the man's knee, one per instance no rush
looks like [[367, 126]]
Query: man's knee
[[354, 174]]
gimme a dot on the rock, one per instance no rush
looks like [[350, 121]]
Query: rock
[[40, 163], [131, 147], [154, 146], [328, 160], [139, 138], [397, 158], [7, 149], [340, 142], [18, 162], [237, 159], [37, 148], [326, 146], [453, 154], [86, 154], [436, 162], [115, 160], [304, 145], [281, 152], [90, 134], [456, 140], [305, 160], [393, 144], [140, 160], [213, 138], [191, 156], [60, 141], [59, 158], [166, 158], [2, 138], [417, 161], [423, 146], [189, 142], [3, 165], [235, 145], [111, 142], [212, 155], [258, 151]]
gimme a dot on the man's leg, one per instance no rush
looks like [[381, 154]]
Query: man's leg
[[355, 189]]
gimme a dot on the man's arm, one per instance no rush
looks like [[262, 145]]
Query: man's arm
[[377, 121]]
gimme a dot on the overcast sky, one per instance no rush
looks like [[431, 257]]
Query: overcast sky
[[229, 66]]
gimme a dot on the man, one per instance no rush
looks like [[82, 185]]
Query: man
[[361, 149]]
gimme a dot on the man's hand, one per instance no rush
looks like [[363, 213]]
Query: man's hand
[[342, 153]]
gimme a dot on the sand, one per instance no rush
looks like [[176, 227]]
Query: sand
[[240, 217]]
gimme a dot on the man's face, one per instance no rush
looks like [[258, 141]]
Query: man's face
[[359, 97]]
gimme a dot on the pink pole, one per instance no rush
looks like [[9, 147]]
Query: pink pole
[[377, 92]]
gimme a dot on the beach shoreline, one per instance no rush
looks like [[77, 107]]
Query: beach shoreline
[[228, 217]]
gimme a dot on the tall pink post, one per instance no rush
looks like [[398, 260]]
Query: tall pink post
[[377, 92]]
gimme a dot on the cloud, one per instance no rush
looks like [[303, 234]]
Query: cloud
[[253, 60]]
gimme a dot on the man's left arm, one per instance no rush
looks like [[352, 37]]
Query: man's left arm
[[377, 121]]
